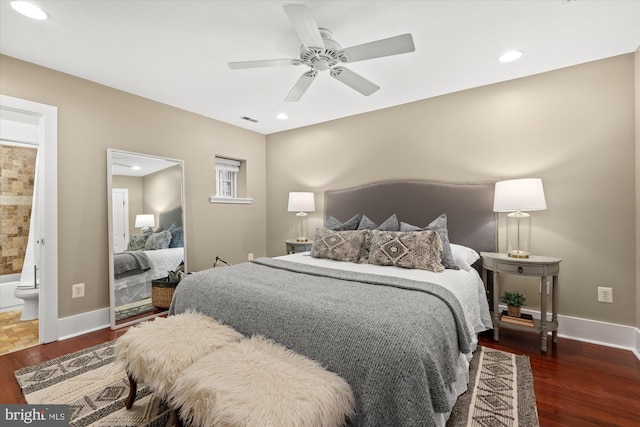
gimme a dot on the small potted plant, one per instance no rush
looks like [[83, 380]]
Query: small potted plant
[[514, 301]]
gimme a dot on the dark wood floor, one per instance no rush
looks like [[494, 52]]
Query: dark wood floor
[[576, 384]]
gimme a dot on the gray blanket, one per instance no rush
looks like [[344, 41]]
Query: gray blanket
[[394, 340], [128, 262]]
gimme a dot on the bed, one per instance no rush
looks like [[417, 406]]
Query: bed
[[401, 337], [149, 257]]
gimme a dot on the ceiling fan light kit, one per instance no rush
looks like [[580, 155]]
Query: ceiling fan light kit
[[321, 53]]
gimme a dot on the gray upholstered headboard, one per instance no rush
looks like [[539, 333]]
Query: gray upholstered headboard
[[173, 216], [469, 207]]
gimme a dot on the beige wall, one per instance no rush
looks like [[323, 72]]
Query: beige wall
[[574, 128], [92, 118], [637, 111], [162, 191], [133, 184]]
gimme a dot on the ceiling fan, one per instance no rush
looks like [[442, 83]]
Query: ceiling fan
[[321, 53]]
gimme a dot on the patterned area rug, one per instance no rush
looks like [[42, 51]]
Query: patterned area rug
[[95, 390]]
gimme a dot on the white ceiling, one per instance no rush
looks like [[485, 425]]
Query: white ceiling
[[176, 52]]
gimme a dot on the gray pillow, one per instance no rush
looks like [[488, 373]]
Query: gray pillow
[[417, 249], [137, 242], [337, 245], [439, 225], [177, 237], [352, 224], [159, 240], [390, 224]]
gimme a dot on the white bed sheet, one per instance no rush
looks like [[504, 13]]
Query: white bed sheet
[[465, 285]]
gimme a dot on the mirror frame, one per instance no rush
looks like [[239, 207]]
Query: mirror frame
[[112, 288]]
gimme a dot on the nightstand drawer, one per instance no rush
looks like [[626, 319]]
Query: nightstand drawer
[[527, 270]]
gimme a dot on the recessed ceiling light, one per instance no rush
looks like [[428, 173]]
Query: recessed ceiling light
[[135, 167], [29, 10], [512, 55], [282, 116]]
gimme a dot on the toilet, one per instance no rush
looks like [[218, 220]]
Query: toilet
[[31, 298]]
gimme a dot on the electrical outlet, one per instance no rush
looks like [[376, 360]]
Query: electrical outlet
[[605, 295], [250, 257], [77, 290]]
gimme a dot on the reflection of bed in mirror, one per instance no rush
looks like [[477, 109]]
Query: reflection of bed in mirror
[[149, 256], [146, 231]]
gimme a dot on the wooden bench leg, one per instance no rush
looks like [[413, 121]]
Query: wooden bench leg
[[177, 422], [133, 390]]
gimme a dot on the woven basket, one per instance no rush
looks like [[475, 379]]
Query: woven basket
[[162, 292]]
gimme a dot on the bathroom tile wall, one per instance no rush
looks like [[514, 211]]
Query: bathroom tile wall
[[17, 172]]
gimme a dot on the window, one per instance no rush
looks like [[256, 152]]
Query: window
[[230, 181], [227, 177]]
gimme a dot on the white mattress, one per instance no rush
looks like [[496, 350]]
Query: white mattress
[[467, 287]]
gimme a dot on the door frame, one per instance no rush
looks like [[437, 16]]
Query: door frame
[[47, 212]]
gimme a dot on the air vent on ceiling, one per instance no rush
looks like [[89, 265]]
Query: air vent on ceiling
[[249, 119]]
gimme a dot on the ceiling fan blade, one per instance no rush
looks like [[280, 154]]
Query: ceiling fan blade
[[301, 86], [264, 63], [385, 47], [354, 80], [304, 23]]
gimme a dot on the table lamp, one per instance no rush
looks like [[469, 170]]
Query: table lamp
[[518, 196]]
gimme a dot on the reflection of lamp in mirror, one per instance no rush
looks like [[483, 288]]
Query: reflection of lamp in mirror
[[145, 222], [301, 202], [517, 196]]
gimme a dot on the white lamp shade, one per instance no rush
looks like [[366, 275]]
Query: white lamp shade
[[145, 220], [519, 195], [301, 202]]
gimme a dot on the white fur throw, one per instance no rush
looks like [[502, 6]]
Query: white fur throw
[[158, 351], [259, 383]]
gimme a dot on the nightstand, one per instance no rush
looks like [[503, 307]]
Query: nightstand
[[294, 247], [540, 266]]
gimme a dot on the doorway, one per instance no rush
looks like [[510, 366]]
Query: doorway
[[23, 121]]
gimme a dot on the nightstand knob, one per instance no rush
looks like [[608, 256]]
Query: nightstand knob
[[520, 270]]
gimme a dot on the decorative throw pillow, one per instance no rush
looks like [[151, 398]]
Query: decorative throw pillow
[[390, 224], [158, 241], [337, 245], [416, 249], [137, 242], [177, 237], [440, 226], [352, 224]]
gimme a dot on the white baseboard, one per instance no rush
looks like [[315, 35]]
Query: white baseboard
[[595, 332], [72, 326], [575, 328]]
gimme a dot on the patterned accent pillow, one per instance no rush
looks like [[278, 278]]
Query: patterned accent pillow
[[415, 249], [337, 245], [440, 226], [352, 224], [137, 242], [159, 240], [390, 224]]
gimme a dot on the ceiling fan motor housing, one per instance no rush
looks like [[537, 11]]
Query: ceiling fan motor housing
[[323, 58]]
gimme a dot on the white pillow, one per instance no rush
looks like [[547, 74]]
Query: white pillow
[[463, 256]]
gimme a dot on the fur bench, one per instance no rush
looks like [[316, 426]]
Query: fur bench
[[157, 352], [258, 383]]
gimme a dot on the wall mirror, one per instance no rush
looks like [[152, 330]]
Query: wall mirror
[[146, 232]]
